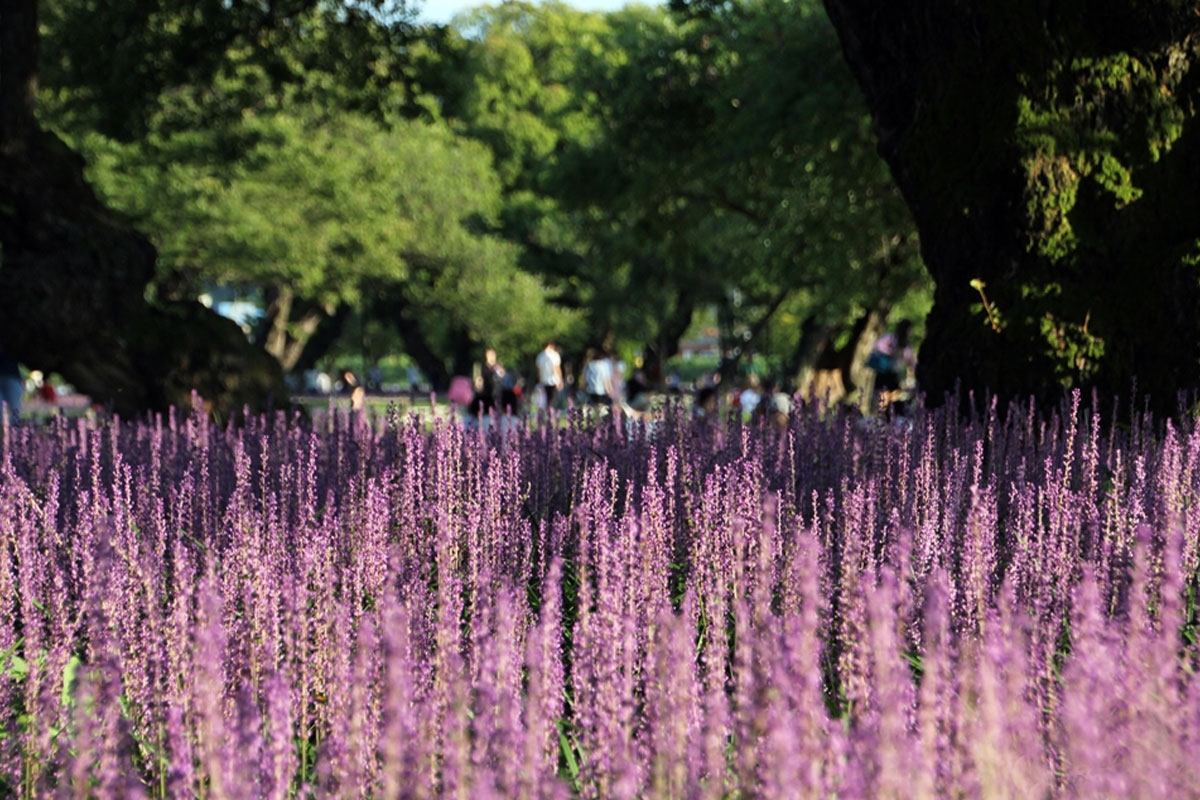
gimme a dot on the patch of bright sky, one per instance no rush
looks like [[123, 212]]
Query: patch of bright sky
[[442, 11]]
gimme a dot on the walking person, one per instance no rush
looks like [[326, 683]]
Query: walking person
[[489, 388], [598, 379], [353, 387], [750, 397], [549, 370], [892, 360]]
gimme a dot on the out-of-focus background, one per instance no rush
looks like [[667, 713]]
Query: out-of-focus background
[[264, 202]]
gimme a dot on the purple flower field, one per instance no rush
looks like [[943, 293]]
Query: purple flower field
[[996, 608]]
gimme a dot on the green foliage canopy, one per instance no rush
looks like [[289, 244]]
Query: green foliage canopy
[[531, 171]]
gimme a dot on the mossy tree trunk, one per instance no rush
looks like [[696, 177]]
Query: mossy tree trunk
[[1049, 153]]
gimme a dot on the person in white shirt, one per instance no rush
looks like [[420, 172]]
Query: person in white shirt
[[549, 369], [598, 379], [749, 398]]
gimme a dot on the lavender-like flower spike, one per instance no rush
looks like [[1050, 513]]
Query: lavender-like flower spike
[[994, 606]]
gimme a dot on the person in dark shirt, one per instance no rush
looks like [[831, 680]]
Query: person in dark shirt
[[637, 392], [12, 386], [892, 361], [489, 392]]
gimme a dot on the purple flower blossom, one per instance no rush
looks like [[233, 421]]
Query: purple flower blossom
[[1002, 605]]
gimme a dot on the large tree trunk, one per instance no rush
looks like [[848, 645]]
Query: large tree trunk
[[18, 72], [73, 280], [1049, 154], [416, 345], [322, 339], [73, 276], [666, 341], [811, 341]]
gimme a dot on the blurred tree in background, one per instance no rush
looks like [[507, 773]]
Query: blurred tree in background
[[739, 141], [528, 171], [533, 171], [304, 175], [73, 276], [659, 164]]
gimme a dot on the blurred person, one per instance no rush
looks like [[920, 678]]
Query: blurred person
[[12, 387], [489, 386], [47, 392], [598, 378], [512, 387], [414, 380], [618, 379], [40, 384], [549, 370], [892, 360], [461, 394], [749, 399], [351, 386], [637, 392], [704, 407], [635, 405], [775, 406]]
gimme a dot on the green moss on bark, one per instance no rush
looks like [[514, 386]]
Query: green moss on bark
[[1050, 155]]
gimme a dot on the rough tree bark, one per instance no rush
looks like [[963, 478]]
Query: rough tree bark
[[1049, 153], [73, 276]]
